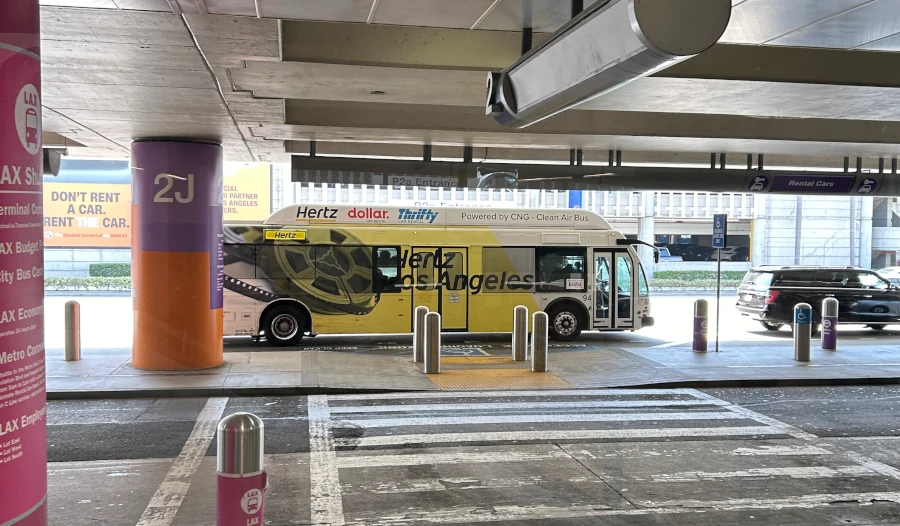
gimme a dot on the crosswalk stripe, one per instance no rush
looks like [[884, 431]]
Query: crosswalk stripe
[[326, 504], [424, 395], [536, 419], [761, 418], [507, 436], [379, 461], [466, 515], [808, 472], [532, 406]]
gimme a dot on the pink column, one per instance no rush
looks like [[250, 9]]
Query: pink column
[[23, 429]]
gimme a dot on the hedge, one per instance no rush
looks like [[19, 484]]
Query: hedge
[[93, 283], [109, 270], [694, 275], [696, 284]]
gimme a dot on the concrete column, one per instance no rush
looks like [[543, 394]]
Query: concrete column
[[759, 230], [866, 211], [646, 232], [23, 455], [176, 245]]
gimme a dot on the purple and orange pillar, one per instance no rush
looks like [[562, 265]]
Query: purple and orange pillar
[[23, 424], [176, 248]]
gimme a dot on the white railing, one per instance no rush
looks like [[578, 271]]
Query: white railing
[[669, 205]]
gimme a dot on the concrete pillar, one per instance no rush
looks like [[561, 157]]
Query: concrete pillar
[[176, 245], [759, 231], [866, 211], [23, 455], [646, 232]]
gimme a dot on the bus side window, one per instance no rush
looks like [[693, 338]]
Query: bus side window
[[561, 269], [387, 269]]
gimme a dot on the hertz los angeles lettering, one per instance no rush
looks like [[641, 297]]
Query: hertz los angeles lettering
[[474, 282]]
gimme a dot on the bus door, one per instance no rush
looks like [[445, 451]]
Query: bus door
[[614, 279], [440, 283]]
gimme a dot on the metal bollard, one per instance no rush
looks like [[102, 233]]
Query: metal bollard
[[241, 482], [73, 331], [829, 324], [539, 343], [432, 343], [701, 325], [520, 334], [802, 331], [419, 334]]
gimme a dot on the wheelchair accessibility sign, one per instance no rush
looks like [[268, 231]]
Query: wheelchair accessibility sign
[[803, 316]]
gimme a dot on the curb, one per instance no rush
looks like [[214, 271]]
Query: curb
[[237, 392]]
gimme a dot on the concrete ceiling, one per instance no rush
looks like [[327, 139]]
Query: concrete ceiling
[[805, 80]]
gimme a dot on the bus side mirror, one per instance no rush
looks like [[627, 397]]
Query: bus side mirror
[[656, 256]]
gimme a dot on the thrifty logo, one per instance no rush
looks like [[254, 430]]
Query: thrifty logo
[[421, 215]]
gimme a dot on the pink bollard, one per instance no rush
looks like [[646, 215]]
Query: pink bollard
[[241, 482]]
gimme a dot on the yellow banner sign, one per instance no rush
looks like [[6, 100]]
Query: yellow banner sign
[[248, 195], [87, 215], [286, 235]]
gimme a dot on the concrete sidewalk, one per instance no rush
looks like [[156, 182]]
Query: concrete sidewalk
[[108, 373]]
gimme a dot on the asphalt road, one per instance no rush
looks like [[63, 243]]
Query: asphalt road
[[822, 456]]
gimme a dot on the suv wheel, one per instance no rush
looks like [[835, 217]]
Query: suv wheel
[[771, 326], [284, 326], [566, 322], [877, 326]]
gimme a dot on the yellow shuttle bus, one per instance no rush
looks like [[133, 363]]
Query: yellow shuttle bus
[[314, 269]]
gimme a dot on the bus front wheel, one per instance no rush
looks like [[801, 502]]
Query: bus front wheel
[[284, 326], [566, 322]]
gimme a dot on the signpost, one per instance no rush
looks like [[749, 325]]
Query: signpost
[[719, 241]]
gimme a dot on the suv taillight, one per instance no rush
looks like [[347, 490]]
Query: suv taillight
[[771, 296]]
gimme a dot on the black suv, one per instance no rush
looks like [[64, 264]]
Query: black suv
[[769, 293]]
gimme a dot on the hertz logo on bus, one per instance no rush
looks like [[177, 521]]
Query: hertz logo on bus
[[422, 215]]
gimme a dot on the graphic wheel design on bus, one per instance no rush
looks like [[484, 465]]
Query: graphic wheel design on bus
[[329, 275]]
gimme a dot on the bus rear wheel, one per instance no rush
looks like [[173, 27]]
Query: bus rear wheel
[[566, 322], [284, 326]]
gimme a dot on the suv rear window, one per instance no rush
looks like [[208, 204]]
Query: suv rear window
[[758, 280]]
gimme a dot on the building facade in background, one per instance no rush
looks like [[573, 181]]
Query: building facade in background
[[87, 217]]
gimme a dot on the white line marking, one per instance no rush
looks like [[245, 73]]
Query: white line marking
[[874, 465], [619, 434], [58, 468], [455, 484], [544, 513], [513, 394], [781, 451], [379, 461], [811, 472], [670, 344], [167, 500], [534, 419], [417, 408], [325, 500], [787, 429]]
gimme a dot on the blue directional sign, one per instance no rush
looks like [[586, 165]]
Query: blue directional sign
[[720, 231]]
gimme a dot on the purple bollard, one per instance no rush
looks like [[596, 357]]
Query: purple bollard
[[829, 324], [241, 481], [701, 316]]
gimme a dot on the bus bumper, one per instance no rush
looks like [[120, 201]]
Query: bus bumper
[[647, 321]]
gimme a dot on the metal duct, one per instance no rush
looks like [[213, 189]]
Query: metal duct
[[607, 46]]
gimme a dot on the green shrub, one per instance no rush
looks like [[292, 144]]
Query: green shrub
[[92, 283], [702, 284], [694, 275], [110, 270]]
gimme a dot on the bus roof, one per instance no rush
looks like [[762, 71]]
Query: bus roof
[[566, 218]]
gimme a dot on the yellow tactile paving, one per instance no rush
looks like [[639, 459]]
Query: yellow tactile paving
[[464, 360], [464, 379]]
